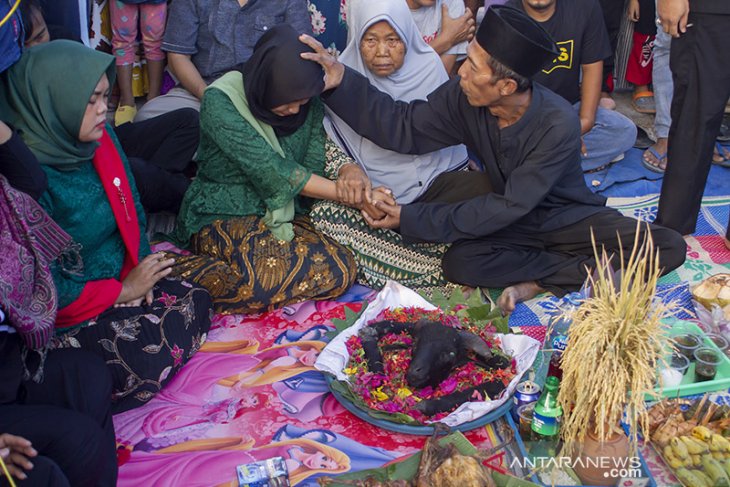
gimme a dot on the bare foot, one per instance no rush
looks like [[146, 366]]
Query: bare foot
[[467, 291], [606, 101], [719, 158], [517, 293], [660, 148]]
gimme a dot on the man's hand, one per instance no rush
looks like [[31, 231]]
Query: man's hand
[[139, 282], [16, 452], [381, 193], [456, 30], [353, 186], [391, 218], [673, 15], [333, 70]]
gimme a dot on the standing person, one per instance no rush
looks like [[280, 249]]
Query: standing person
[[700, 63], [655, 157], [639, 68], [576, 75], [205, 39], [613, 11], [446, 25], [533, 231], [128, 17], [119, 304]]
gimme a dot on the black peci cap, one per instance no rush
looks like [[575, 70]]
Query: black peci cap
[[515, 40]]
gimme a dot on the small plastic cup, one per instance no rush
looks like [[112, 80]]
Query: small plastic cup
[[719, 340], [672, 375], [525, 413], [706, 362], [686, 344]]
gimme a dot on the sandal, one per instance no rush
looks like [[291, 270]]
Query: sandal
[[643, 102], [659, 157], [124, 114], [721, 156]]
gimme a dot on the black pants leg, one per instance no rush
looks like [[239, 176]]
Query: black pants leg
[[67, 418], [613, 11], [700, 62], [160, 150], [455, 186], [558, 259]]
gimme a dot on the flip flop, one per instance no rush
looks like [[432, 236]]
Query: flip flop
[[124, 114], [643, 102], [722, 152], [649, 165]]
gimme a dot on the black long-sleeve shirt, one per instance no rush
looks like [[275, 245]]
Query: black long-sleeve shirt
[[534, 164], [21, 168]]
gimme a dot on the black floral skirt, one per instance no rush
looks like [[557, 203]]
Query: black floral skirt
[[145, 346], [248, 270]]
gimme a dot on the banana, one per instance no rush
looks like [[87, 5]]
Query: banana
[[672, 459], [719, 442], [705, 478], [695, 446], [718, 455], [702, 433], [726, 465], [715, 471], [679, 448], [690, 479], [696, 460]]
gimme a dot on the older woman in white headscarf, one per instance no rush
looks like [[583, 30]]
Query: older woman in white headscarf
[[386, 47]]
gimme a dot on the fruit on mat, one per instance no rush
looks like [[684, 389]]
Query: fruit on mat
[[702, 433], [715, 471], [695, 446], [714, 290], [690, 479], [679, 448]]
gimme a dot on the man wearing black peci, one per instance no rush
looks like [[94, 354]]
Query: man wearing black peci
[[533, 231]]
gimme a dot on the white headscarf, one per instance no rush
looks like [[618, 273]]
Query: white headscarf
[[422, 72]]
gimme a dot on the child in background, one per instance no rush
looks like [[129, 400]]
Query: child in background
[[639, 66], [126, 15]]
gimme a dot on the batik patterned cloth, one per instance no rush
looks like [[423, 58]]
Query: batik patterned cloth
[[248, 270], [381, 254]]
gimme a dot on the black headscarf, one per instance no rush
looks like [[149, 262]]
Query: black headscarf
[[276, 74]]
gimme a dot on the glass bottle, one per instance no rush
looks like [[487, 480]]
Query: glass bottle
[[548, 413]]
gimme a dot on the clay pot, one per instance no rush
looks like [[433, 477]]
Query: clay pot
[[592, 455]]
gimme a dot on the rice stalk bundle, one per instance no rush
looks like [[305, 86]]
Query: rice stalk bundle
[[615, 341]]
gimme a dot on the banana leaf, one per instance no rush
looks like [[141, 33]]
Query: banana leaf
[[408, 468]]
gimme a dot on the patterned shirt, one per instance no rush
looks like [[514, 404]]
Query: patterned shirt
[[220, 34]]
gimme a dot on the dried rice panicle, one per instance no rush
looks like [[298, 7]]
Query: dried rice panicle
[[615, 341]]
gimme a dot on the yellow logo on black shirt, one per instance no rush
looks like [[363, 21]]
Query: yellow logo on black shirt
[[565, 59]]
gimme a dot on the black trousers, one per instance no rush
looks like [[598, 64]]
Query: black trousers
[[67, 418], [160, 151], [700, 63], [557, 260], [613, 11]]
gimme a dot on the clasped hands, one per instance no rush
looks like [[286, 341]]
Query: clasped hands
[[377, 205]]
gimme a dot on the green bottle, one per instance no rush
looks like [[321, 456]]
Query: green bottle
[[548, 413]]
